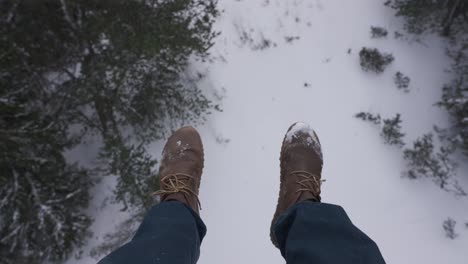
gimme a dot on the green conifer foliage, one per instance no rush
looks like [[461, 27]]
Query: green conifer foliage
[[117, 70]]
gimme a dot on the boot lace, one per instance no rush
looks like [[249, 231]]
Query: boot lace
[[309, 182], [177, 183]]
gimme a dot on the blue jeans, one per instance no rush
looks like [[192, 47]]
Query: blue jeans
[[308, 232]]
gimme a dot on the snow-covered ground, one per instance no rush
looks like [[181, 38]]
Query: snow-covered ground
[[306, 74]]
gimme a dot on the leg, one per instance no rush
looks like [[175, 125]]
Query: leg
[[170, 233], [312, 232], [304, 229]]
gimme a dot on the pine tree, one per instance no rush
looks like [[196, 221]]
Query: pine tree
[[442, 16], [449, 228], [378, 32], [71, 69], [42, 196], [366, 116], [425, 159], [455, 100], [450, 19], [371, 59], [402, 81], [391, 131]]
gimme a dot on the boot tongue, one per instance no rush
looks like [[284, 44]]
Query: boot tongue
[[298, 196], [307, 196]]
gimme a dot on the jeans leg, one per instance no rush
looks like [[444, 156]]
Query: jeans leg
[[318, 233], [171, 233]]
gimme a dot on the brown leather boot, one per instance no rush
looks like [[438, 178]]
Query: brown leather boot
[[181, 168], [301, 167]]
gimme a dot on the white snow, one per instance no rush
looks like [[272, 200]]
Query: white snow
[[314, 79], [104, 41], [312, 140], [300, 127]]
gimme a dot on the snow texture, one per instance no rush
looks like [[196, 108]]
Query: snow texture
[[317, 79], [312, 140], [298, 128]]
